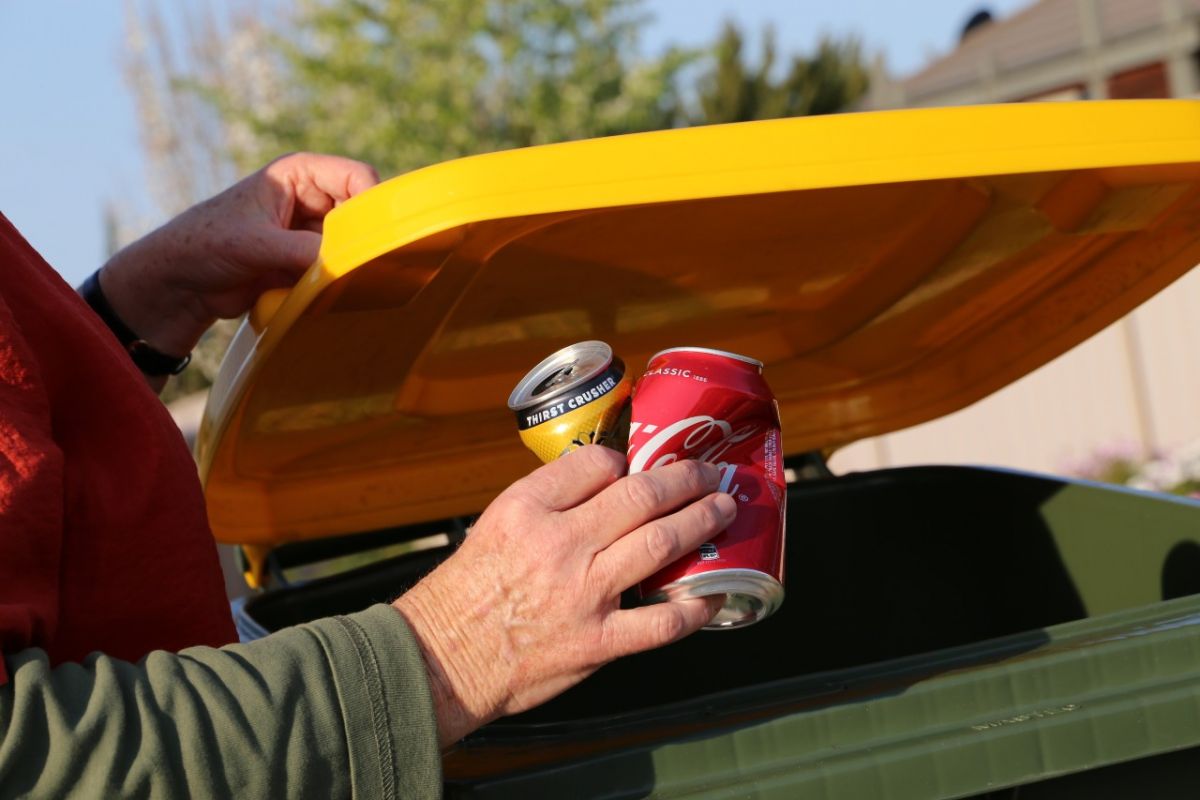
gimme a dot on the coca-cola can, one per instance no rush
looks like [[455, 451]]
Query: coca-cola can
[[713, 406]]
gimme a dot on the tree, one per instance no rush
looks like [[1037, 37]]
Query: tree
[[398, 83], [406, 83], [732, 90]]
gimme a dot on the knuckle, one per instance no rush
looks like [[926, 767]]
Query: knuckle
[[662, 543], [671, 624], [518, 495], [710, 518], [609, 643], [534, 490], [516, 508], [643, 491], [695, 475], [280, 161], [600, 460]]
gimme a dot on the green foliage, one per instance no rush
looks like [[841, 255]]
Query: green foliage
[[735, 90], [405, 83], [1172, 472], [402, 84]]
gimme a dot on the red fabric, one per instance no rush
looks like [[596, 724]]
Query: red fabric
[[104, 540]]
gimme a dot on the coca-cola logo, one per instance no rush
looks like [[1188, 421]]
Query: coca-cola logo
[[701, 437]]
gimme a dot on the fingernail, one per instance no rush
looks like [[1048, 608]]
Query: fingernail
[[726, 505], [712, 475]]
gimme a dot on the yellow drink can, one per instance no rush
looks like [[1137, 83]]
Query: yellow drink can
[[577, 396]]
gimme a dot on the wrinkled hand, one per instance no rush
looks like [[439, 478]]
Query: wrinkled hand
[[530, 604], [215, 259]]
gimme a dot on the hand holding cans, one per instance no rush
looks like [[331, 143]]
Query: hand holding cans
[[693, 403]]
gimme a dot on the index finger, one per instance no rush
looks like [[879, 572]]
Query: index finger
[[321, 181]]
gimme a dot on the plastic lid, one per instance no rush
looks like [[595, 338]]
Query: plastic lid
[[887, 268]]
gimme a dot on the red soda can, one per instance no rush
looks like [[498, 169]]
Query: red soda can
[[714, 406]]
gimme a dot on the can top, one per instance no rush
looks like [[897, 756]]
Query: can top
[[561, 372], [747, 359]]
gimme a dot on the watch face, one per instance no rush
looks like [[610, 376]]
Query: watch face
[[154, 363], [146, 358]]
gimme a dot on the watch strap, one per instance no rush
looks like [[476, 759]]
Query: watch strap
[[144, 356]]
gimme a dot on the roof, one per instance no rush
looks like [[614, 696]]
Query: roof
[[1040, 32]]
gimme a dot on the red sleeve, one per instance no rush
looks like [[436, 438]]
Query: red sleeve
[[31, 498], [104, 539]]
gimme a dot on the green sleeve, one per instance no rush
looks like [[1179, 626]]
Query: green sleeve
[[336, 708]]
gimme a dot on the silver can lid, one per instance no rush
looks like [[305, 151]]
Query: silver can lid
[[561, 372], [710, 351]]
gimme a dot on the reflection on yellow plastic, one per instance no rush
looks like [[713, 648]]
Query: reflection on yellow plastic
[[265, 309], [254, 559], [888, 268]]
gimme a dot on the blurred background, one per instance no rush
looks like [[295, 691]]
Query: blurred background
[[116, 117]]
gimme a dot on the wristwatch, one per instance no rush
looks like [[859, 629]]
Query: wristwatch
[[147, 359]]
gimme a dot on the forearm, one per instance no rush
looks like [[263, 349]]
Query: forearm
[[152, 318], [142, 286], [462, 682], [336, 708]]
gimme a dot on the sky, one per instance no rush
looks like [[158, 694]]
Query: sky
[[68, 135]]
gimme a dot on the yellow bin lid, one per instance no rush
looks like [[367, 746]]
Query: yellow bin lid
[[889, 268]]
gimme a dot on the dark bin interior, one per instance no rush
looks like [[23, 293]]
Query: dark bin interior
[[880, 565]]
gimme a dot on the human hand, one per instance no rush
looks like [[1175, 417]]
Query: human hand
[[215, 259], [530, 603]]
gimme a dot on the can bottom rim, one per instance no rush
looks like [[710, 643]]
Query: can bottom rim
[[750, 595]]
